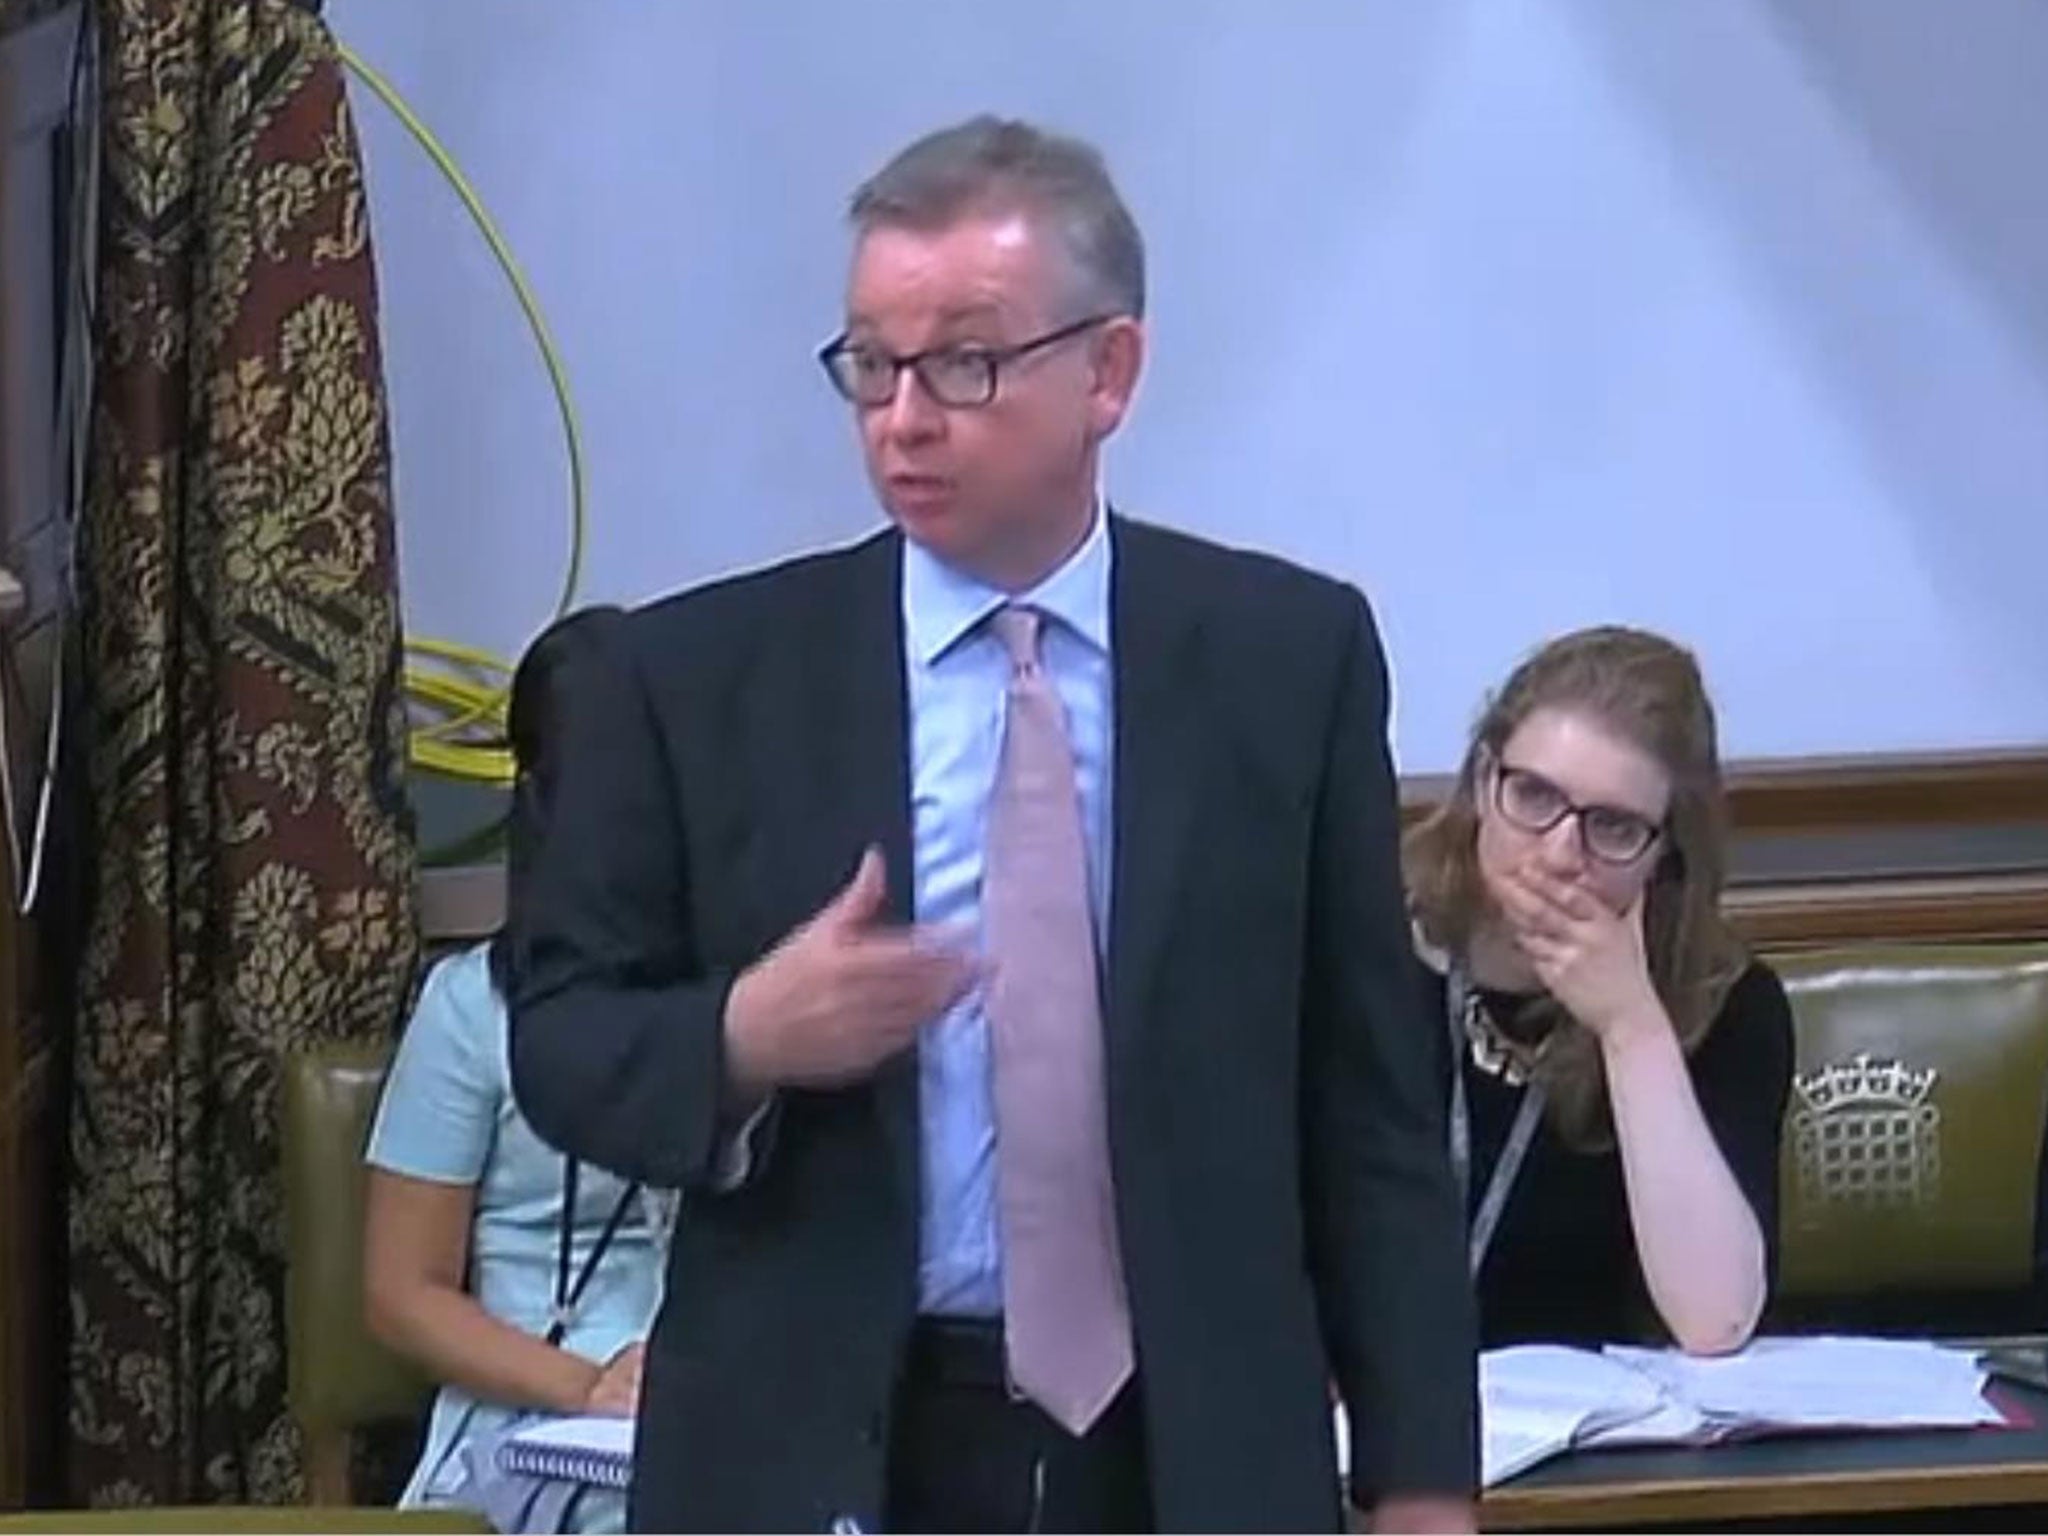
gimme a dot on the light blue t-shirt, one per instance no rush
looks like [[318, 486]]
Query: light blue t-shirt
[[447, 1115]]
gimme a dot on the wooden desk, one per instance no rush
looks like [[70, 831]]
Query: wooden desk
[[1791, 1476]]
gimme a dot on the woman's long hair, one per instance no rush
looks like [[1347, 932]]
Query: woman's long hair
[[1647, 691]]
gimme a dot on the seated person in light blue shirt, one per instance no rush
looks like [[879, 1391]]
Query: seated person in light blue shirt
[[463, 1238]]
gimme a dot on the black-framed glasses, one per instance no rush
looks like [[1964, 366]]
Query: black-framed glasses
[[960, 374], [1607, 832]]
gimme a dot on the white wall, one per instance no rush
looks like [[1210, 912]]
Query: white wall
[[1724, 316]]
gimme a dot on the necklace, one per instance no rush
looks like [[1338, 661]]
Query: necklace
[[1494, 1052]]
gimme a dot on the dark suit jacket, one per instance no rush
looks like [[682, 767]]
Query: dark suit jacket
[[1286, 1209]]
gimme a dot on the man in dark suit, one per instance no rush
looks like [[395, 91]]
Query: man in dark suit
[[995, 928]]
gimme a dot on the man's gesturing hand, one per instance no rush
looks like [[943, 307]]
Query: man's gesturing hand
[[841, 993]]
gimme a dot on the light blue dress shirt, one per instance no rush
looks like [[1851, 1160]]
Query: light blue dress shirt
[[958, 684]]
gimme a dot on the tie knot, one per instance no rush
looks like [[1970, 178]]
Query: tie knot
[[1017, 628]]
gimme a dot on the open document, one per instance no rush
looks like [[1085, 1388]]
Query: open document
[[1541, 1400], [1537, 1401], [1822, 1383]]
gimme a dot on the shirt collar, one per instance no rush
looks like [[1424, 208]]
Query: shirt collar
[[942, 604]]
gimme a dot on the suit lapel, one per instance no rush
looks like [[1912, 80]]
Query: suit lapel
[[859, 746], [862, 777], [1156, 637]]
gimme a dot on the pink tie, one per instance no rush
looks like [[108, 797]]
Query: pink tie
[[1066, 1319]]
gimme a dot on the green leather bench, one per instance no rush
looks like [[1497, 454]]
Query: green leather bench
[[1913, 1137], [1911, 1148], [341, 1378]]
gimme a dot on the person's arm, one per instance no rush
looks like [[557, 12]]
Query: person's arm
[[628, 1049], [429, 1151], [1742, 1077], [617, 1047], [416, 1251], [1699, 1243], [1386, 1236], [1701, 1250]]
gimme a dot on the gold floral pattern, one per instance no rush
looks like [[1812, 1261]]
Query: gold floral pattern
[[253, 853]]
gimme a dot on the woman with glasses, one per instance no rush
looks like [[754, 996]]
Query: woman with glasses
[[1616, 1064]]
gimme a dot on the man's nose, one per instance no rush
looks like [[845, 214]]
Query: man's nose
[[911, 414]]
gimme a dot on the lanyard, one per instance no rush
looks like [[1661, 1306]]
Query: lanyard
[[567, 1296], [1460, 1002]]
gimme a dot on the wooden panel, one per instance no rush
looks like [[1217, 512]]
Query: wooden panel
[[1944, 789], [1973, 908], [1697, 1502], [1941, 1474], [18, 1097], [29, 1258], [462, 904]]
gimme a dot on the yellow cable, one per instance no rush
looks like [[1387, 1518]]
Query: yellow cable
[[467, 739], [476, 701]]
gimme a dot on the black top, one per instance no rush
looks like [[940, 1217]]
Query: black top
[[1562, 1266]]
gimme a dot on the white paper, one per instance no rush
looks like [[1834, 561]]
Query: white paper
[[1826, 1382], [1540, 1400], [1537, 1401]]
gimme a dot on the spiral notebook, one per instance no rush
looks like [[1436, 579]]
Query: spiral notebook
[[587, 1449]]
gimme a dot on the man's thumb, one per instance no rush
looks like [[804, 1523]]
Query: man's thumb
[[860, 899]]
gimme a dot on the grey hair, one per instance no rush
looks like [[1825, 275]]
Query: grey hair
[[992, 164]]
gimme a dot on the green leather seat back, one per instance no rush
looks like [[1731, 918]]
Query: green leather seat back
[[1913, 1134], [341, 1377]]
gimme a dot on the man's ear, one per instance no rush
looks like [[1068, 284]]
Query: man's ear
[[1117, 358]]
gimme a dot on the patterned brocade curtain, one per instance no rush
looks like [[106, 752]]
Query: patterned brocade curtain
[[251, 848]]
